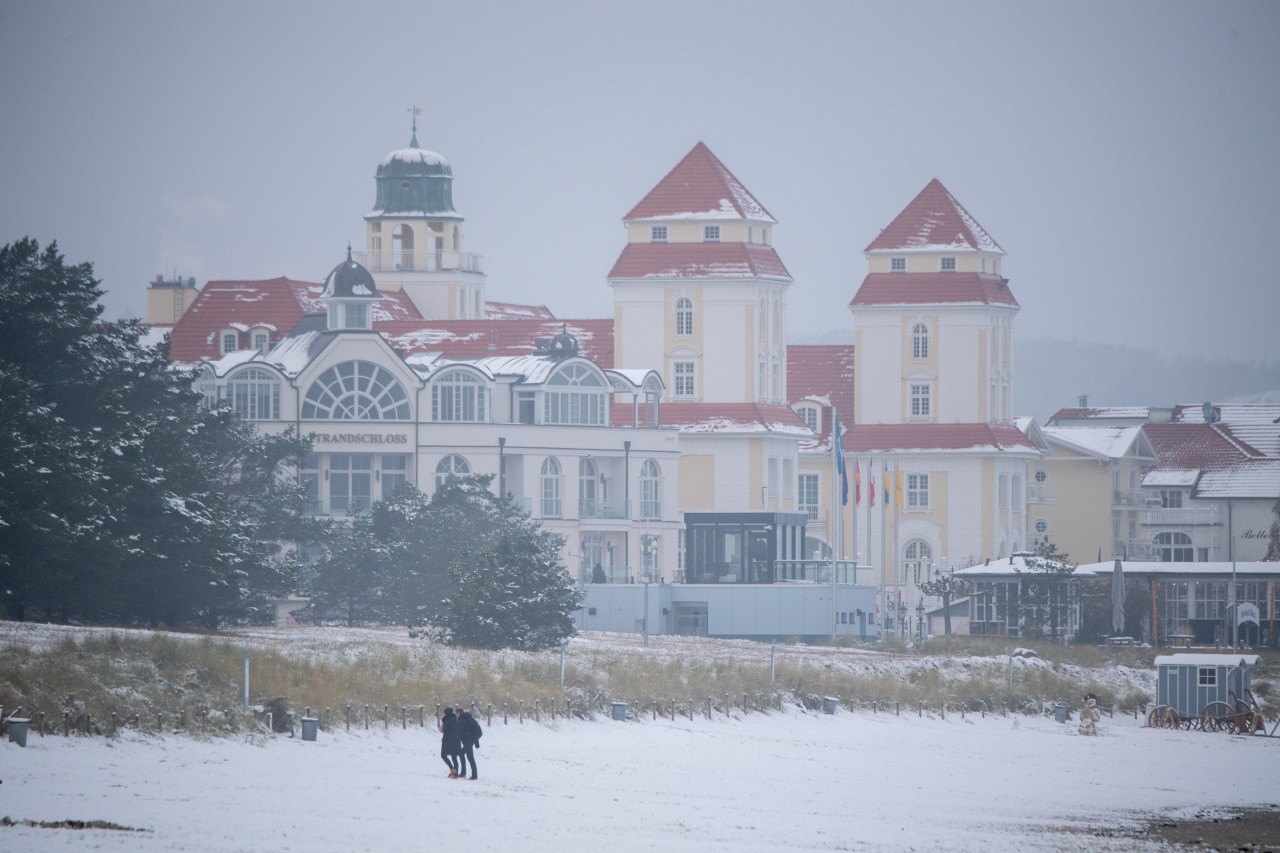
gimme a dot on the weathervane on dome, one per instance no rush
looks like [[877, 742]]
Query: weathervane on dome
[[416, 111]]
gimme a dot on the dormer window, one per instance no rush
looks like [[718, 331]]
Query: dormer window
[[658, 234], [711, 233], [809, 414], [750, 233], [230, 341], [764, 235], [261, 340], [948, 264], [898, 264]]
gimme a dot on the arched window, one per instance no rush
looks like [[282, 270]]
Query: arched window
[[1174, 548], [919, 342], [458, 395], [550, 488], [576, 394], [650, 490], [810, 416], [356, 391], [255, 395], [684, 316], [402, 247], [587, 507], [917, 556], [452, 465]]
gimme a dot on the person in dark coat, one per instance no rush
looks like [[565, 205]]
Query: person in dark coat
[[450, 743], [469, 733]]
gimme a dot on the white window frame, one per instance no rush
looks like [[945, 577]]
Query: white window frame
[[254, 394], [229, 341], [452, 465], [917, 486], [684, 317], [393, 472], [657, 234], [898, 263], [460, 396], [947, 264], [356, 391], [711, 233], [808, 490], [811, 416], [684, 379], [921, 400], [550, 504], [576, 395], [650, 490], [920, 342]]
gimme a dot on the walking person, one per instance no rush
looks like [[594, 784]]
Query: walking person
[[450, 744], [469, 732]]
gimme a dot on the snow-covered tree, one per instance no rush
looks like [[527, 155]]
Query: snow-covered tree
[[121, 498]]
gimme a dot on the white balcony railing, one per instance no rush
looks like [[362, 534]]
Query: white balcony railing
[[421, 261]]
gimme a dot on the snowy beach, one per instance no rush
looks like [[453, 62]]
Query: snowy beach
[[791, 780]]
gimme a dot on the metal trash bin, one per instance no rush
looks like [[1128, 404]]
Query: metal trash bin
[[829, 704], [1060, 712], [310, 725], [18, 730], [620, 710]]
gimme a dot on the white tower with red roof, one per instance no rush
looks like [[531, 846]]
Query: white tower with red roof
[[700, 290], [933, 338]]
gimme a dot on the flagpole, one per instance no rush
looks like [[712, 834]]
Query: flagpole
[[835, 509]]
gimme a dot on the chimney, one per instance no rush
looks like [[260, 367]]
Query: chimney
[[1084, 401]]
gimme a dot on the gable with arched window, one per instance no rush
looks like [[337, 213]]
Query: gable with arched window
[[356, 391], [254, 394], [576, 394], [459, 395]]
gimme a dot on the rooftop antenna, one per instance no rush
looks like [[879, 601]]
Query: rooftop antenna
[[415, 111]]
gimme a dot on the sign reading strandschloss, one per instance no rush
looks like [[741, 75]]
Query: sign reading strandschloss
[[356, 438]]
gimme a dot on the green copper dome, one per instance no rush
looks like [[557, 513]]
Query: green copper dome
[[414, 182]]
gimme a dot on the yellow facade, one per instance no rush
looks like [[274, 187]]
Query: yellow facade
[[697, 483]]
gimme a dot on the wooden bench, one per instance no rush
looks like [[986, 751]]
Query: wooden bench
[[1183, 640]]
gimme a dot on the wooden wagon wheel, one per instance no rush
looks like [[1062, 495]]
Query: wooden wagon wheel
[[1217, 717], [1163, 717]]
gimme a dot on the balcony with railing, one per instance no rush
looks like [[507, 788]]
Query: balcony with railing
[[421, 261], [1040, 493], [1133, 498], [1187, 516], [593, 509]]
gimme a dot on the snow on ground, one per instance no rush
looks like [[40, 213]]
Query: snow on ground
[[791, 781]]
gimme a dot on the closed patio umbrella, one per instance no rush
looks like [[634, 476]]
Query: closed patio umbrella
[[1117, 599]]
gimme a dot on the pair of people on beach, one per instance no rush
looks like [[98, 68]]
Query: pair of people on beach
[[459, 738]]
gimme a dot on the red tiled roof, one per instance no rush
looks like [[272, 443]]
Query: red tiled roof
[[515, 311], [934, 220], [954, 288], [699, 184], [698, 260], [278, 303], [483, 338], [721, 417], [823, 371], [888, 438], [1185, 446]]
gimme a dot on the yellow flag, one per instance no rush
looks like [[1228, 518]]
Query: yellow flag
[[897, 484]]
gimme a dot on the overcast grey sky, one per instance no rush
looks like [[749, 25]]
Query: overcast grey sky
[[1125, 155]]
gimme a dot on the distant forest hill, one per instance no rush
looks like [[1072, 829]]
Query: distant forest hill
[[1052, 374]]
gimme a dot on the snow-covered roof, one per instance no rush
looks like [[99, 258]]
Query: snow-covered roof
[[1209, 569], [1017, 566], [1104, 442], [1208, 660], [937, 438], [938, 288], [726, 419], [934, 221], [415, 155], [698, 260], [1171, 477], [699, 187]]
